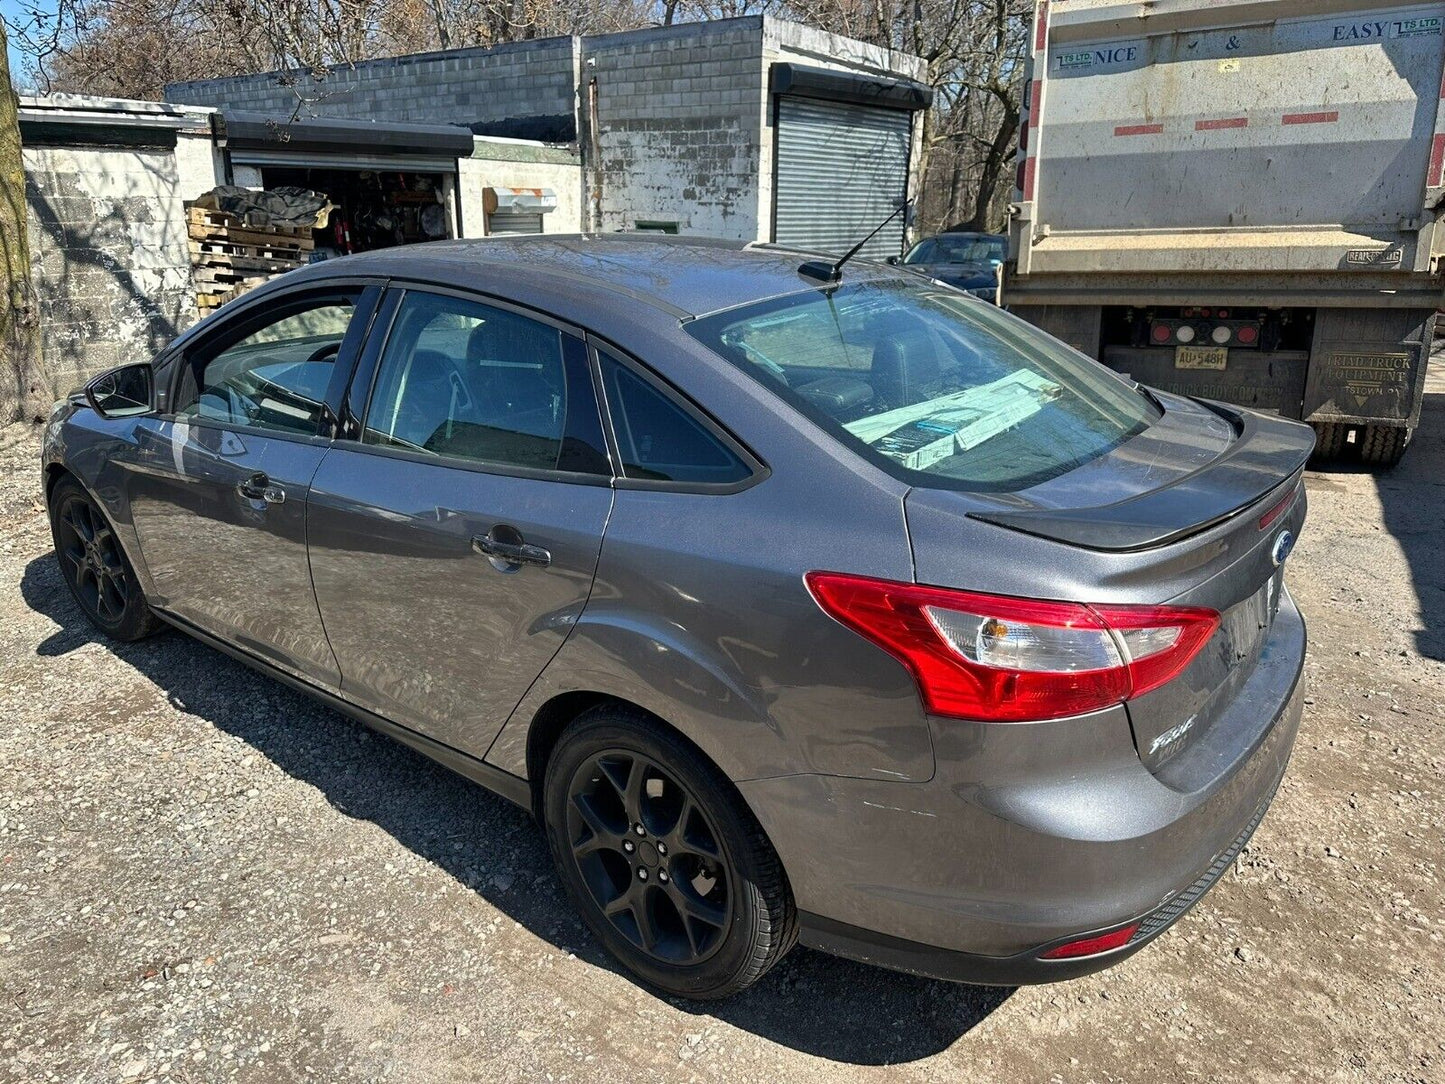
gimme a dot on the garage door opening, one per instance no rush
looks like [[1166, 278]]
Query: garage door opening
[[374, 208]]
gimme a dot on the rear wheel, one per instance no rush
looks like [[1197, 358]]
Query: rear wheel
[[1330, 439], [94, 566], [664, 860], [1383, 445]]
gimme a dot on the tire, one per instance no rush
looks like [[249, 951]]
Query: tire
[[94, 566], [1384, 445], [1330, 440], [695, 903]]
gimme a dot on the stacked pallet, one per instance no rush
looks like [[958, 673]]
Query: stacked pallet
[[230, 256]]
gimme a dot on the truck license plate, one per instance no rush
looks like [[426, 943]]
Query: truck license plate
[[1201, 357]]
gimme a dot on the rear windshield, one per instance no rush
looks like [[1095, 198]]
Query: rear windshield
[[938, 388]]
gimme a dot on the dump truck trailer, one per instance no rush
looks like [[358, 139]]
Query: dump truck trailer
[[1240, 200]]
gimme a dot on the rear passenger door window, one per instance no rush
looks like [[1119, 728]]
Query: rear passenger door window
[[661, 439], [475, 382]]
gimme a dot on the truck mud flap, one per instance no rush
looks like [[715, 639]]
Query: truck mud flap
[[1368, 365]]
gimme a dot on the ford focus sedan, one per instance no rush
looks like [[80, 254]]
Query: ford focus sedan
[[853, 611]]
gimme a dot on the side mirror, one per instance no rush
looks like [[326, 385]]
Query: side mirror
[[123, 392], [893, 260]]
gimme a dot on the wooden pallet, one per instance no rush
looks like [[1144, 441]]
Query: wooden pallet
[[202, 218], [250, 257]]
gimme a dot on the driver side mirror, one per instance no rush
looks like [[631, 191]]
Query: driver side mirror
[[122, 393], [892, 260]]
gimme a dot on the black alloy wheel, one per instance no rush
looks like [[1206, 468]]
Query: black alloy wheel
[[95, 567], [663, 858], [649, 857]]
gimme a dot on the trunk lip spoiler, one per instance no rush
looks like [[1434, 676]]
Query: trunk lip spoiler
[[1267, 449]]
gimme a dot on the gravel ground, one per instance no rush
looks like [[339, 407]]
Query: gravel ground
[[205, 877]]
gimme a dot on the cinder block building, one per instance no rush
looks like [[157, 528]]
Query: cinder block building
[[753, 128]]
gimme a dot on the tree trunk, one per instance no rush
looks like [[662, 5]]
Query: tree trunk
[[25, 393], [991, 173]]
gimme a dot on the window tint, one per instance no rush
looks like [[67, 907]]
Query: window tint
[[661, 440], [274, 378], [468, 380]]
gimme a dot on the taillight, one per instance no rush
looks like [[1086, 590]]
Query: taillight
[[1000, 659]]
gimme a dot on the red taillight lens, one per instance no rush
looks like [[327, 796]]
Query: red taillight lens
[[1248, 333], [1279, 509], [1092, 946], [999, 659]]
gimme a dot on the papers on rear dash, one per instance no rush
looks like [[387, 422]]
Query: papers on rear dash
[[921, 434]]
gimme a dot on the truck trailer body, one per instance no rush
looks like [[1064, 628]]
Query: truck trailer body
[[1239, 200]]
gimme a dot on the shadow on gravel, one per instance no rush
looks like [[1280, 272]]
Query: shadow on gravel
[[827, 1007], [1412, 496]]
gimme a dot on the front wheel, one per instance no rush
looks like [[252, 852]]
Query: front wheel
[[94, 566], [665, 862]]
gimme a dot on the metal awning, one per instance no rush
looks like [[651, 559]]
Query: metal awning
[[259, 139], [519, 201], [888, 92]]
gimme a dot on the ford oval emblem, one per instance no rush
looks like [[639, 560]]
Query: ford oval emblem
[[1283, 543]]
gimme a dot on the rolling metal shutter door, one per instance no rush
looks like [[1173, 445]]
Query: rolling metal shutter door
[[506, 225], [842, 169]]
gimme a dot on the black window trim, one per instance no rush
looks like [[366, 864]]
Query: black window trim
[[758, 470], [362, 388], [366, 294]]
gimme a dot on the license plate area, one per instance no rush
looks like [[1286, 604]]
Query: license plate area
[[1247, 624], [1201, 357]]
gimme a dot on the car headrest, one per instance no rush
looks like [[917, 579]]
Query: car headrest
[[903, 364]]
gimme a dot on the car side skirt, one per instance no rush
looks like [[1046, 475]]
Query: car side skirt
[[504, 784]]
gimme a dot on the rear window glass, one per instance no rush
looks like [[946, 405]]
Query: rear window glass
[[938, 388]]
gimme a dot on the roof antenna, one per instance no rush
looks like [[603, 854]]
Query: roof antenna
[[824, 271]]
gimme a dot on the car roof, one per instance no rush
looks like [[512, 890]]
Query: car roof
[[684, 276]]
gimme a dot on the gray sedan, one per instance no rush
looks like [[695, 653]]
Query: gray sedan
[[850, 610]]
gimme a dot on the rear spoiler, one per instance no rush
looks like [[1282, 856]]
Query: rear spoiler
[[1268, 453]]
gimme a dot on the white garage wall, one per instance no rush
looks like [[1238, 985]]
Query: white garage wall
[[517, 163]]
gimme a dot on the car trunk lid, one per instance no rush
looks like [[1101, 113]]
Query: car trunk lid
[[1195, 468]]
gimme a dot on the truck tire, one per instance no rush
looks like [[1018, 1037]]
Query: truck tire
[[1384, 445], [1330, 439]]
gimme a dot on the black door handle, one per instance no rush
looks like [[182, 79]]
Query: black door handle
[[259, 488], [504, 547]]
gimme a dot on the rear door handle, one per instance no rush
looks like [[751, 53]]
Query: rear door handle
[[259, 488], [503, 545]]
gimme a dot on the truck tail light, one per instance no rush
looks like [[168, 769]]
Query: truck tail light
[[1184, 333], [1000, 659], [1248, 334]]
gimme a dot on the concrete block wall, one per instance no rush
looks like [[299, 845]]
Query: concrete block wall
[[109, 256], [506, 163], [459, 86], [679, 126]]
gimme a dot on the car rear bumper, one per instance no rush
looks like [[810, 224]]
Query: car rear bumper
[[1028, 836]]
